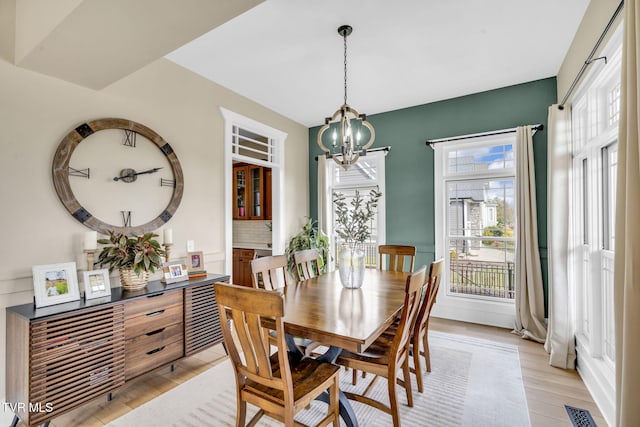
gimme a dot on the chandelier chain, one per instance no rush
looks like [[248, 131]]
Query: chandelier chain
[[345, 66]]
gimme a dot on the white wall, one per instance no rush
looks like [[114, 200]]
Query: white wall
[[593, 23], [37, 111]]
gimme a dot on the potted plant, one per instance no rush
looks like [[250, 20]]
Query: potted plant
[[308, 238], [352, 225], [134, 256]]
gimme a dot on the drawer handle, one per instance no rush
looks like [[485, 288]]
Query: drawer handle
[[155, 332], [155, 351], [155, 295], [155, 313]]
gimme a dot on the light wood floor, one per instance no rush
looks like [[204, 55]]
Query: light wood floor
[[547, 389]]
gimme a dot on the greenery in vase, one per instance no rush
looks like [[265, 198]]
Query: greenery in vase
[[352, 220], [308, 238], [140, 253]]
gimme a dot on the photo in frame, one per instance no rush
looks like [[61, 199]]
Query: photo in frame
[[173, 272], [55, 284], [96, 284], [195, 262]]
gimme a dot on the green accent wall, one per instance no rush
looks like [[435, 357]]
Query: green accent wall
[[409, 164]]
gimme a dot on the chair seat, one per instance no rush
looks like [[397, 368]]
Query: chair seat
[[306, 375]]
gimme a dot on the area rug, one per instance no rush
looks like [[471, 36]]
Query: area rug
[[472, 382]]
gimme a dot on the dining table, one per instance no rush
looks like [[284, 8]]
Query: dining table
[[322, 310]]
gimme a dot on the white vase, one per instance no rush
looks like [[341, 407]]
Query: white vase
[[351, 266]]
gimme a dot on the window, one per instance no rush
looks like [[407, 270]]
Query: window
[[479, 218], [366, 174]]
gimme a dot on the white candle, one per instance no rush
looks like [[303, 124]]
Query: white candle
[[168, 236], [91, 240]]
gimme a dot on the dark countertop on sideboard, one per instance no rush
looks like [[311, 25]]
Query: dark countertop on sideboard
[[155, 287]]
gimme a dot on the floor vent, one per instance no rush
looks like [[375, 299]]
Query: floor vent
[[580, 417]]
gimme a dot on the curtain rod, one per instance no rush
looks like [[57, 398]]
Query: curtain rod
[[387, 149], [590, 58], [431, 142]]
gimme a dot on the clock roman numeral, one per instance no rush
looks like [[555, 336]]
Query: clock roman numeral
[[126, 218], [167, 182], [82, 173], [129, 138]]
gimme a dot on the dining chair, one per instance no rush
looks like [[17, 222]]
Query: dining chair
[[306, 264], [420, 329], [384, 358], [396, 255], [265, 272], [270, 381]]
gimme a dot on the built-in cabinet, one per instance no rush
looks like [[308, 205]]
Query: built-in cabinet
[[252, 192], [242, 266], [60, 357]]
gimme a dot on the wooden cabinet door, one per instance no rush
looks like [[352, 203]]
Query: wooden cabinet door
[[241, 192], [202, 324], [267, 194], [75, 358]]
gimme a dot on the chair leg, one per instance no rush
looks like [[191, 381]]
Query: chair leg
[[241, 413], [354, 380], [393, 400], [427, 357], [417, 367], [407, 382], [335, 402]]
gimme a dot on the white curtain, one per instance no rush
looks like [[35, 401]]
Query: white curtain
[[529, 289], [560, 334], [627, 231], [324, 200]]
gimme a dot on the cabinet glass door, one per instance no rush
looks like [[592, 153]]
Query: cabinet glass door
[[240, 185], [256, 193]]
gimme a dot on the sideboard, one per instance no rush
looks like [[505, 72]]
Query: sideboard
[[61, 356]]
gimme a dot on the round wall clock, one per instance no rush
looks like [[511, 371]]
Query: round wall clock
[[118, 175]]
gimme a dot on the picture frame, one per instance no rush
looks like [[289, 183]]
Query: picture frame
[[96, 284], [55, 284], [195, 262], [173, 272]]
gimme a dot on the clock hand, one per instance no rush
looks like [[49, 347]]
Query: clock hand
[[131, 175]]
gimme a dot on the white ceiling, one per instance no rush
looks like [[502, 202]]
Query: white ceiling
[[288, 56]]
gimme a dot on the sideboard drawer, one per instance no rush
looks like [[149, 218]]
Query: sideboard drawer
[[153, 320], [154, 339], [152, 303], [143, 361]]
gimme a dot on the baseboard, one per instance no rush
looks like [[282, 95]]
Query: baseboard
[[462, 314], [594, 374]]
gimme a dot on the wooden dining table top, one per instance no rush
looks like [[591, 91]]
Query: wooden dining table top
[[322, 310]]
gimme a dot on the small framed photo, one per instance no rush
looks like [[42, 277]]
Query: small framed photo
[[195, 262], [55, 284], [173, 272], [96, 284]]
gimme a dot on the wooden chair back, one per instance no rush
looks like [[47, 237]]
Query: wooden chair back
[[413, 293], [307, 264], [265, 272], [264, 379], [396, 255], [421, 326], [245, 308]]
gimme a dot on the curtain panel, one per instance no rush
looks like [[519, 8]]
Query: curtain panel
[[529, 289], [560, 341], [627, 228]]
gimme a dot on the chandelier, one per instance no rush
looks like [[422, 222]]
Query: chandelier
[[347, 128]]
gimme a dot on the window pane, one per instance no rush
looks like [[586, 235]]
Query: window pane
[[482, 267], [364, 172], [609, 170], [481, 207], [478, 159], [481, 236]]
